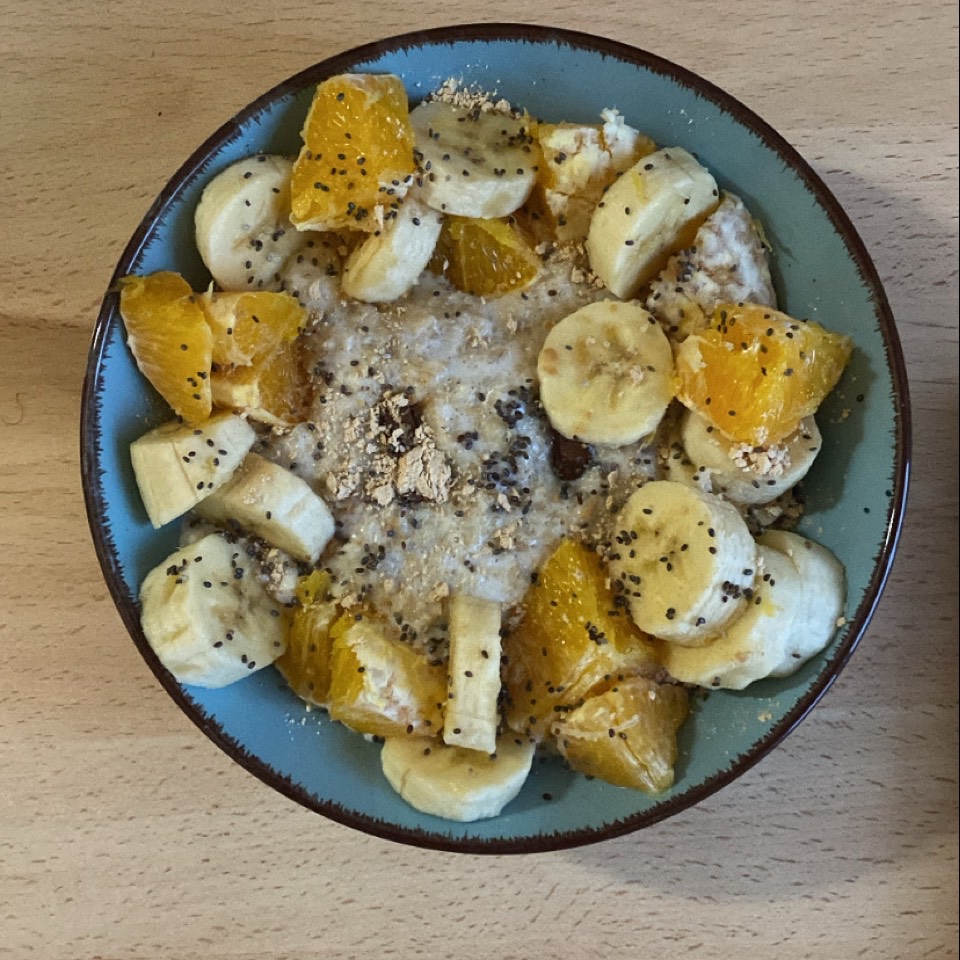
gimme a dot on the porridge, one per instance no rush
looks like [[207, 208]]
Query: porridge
[[481, 436]]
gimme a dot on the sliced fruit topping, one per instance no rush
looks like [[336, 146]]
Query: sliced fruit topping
[[267, 500], [756, 372], [606, 374], [824, 593], [305, 664], [574, 638], [379, 685], [650, 212], [453, 782], [727, 262], [741, 472], [474, 163], [242, 223], [389, 262], [579, 162], [472, 712], [487, 258], [169, 337], [275, 389], [684, 560], [754, 644], [357, 156], [626, 735], [249, 326], [207, 616], [176, 465]]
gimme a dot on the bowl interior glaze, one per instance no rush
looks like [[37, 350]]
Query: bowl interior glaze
[[856, 493]]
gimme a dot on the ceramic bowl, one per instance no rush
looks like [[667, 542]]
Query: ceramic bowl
[[855, 495]]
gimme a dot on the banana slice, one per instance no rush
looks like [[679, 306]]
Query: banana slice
[[606, 373], [754, 645], [274, 504], [389, 262], [684, 559], [743, 473], [207, 616], [242, 224], [651, 211], [824, 594], [471, 716], [453, 782], [176, 466], [474, 163]]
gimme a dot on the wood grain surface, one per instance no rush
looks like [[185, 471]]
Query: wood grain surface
[[126, 835]]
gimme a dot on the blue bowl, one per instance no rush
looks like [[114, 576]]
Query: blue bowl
[[856, 494]]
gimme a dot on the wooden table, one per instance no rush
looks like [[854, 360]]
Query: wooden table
[[124, 833]]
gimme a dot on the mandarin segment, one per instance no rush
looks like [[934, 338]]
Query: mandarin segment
[[579, 162], [248, 326], [380, 686], [357, 155], [626, 735], [275, 389], [574, 638], [169, 337], [486, 258], [305, 664], [755, 373]]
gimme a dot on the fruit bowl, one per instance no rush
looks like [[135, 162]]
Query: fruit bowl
[[855, 495]]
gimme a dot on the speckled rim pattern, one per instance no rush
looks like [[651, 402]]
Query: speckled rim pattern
[[90, 440]]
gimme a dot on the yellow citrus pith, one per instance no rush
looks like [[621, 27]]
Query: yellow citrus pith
[[486, 258], [169, 337], [755, 373], [357, 153], [573, 639]]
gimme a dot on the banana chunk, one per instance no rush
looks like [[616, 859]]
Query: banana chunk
[[754, 645], [824, 595], [176, 465], [389, 262], [739, 471], [474, 163], [274, 504], [471, 716], [242, 224], [651, 211], [207, 616], [606, 373], [684, 559], [455, 783]]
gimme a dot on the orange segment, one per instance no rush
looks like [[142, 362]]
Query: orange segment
[[248, 326], [380, 686], [626, 735], [755, 373], [357, 153], [579, 162], [486, 258], [305, 664], [170, 340], [573, 639], [274, 389]]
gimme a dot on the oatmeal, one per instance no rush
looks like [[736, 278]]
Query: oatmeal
[[444, 438], [428, 441]]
